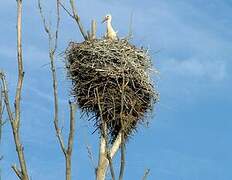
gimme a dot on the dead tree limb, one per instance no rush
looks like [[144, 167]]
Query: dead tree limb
[[130, 33], [16, 170], [104, 147], [16, 122], [78, 19], [103, 164], [22, 172], [69, 149], [15, 118], [53, 42], [122, 163], [90, 156], [93, 29]]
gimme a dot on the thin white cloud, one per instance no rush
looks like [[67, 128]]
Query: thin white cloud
[[195, 68]]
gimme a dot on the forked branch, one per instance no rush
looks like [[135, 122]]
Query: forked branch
[[104, 152], [53, 42], [16, 117], [74, 15]]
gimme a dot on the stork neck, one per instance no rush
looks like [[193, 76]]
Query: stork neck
[[109, 26]]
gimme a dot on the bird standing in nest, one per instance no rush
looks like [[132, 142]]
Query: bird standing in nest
[[110, 33]]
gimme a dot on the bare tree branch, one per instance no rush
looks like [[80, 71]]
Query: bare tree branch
[[1, 112], [74, 15], [72, 127], [6, 96], [15, 129], [66, 10], [122, 164], [52, 50], [15, 119], [17, 171], [93, 29], [130, 32], [101, 169], [104, 149], [147, 171], [20, 63], [77, 19], [116, 145], [90, 155], [68, 154], [53, 42]]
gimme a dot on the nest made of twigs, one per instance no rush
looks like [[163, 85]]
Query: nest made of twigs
[[111, 80]]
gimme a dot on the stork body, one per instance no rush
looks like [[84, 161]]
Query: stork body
[[110, 33]]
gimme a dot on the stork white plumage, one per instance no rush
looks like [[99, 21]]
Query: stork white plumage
[[110, 33]]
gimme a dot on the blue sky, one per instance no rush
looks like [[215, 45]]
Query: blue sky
[[189, 136]]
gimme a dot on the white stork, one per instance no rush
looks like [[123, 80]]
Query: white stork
[[110, 33]]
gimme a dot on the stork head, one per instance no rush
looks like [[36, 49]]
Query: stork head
[[108, 18]]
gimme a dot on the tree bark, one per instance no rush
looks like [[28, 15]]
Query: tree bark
[[103, 160]]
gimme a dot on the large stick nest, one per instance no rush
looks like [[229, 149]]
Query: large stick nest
[[111, 80]]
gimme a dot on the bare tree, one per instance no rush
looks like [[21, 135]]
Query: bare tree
[[16, 116], [53, 42]]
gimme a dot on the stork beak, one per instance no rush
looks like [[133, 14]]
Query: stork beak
[[104, 20]]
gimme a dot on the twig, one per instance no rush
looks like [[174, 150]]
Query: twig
[[147, 171], [90, 155], [6, 96], [17, 171], [66, 10]]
